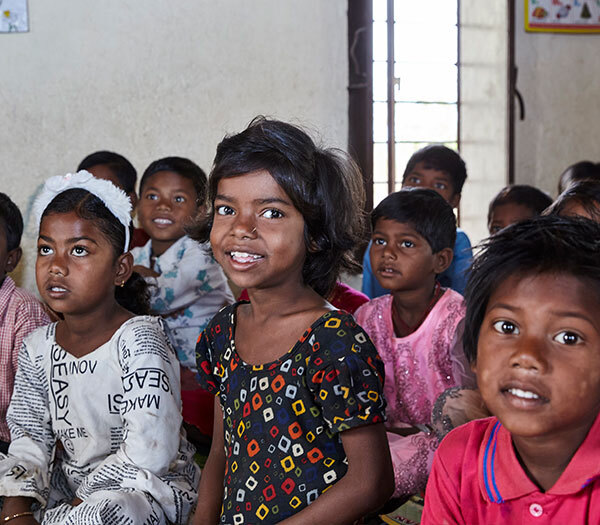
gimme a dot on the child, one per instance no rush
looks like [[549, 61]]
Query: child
[[516, 203], [580, 199], [584, 170], [20, 312], [188, 287], [532, 334], [95, 413], [416, 328], [299, 434], [117, 169], [442, 170]]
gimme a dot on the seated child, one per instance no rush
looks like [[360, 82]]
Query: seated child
[[532, 334], [584, 170], [516, 203], [117, 169], [187, 285], [95, 417], [580, 199], [20, 311], [441, 169], [416, 329]]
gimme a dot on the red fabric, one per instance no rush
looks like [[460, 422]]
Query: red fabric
[[139, 238], [197, 404], [343, 297], [477, 478]]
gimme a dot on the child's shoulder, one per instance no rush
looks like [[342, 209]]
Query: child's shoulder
[[374, 306], [463, 444]]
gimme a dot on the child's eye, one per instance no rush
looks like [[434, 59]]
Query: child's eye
[[224, 210], [407, 244], [44, 250], [151, 196], [179, 199], [440, 186], [378, 241], [506, 327], [272, 213], [414, 180], [567, 338], [79, 251]]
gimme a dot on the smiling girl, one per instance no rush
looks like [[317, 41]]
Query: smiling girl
[[95, 413], [299, 434]]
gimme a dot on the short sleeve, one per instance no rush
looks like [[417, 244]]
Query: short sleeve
[[346, 375], [204, 361]]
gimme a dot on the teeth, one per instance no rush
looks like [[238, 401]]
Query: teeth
[[58, 289], [388, 270], [163, 221], [524, 394], [244, 257]]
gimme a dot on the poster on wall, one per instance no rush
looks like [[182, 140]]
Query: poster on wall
[[562, 16], [13, 16]]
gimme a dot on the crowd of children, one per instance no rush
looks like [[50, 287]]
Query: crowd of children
[[320, 404]]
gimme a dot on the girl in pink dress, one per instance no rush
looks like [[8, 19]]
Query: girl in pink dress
[[417, 329]]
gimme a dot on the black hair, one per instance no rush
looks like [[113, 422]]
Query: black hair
[[12, 222], [119, 165], [441, 158], [579, 171], [531, 197], [134, 295], [425, 210], [586, 193], [184, 168], [543, 244], [324, 185]]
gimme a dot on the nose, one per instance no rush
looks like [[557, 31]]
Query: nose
[[163, 203], [388, 251], [58, 265], [530, 354], [245, 226]]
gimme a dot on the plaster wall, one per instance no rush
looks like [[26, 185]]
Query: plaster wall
[[151, 79]]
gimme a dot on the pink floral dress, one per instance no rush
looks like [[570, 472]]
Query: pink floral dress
[[418, 368]]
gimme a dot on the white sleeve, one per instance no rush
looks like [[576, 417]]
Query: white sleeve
[[195, 275], [150, 410], [25, 471]]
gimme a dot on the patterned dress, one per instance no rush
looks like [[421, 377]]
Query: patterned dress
[[418, 368], [282, 421], [104, 428]]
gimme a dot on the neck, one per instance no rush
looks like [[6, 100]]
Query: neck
[[157, 248], [411, 305]]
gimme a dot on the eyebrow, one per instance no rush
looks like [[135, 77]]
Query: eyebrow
[[268, 200], [154, 188], [557, 313], [72, 240]]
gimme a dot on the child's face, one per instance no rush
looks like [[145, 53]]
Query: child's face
[[575, 209], [168, 202], [75, 269], [402, 259], [506, 214], [8, 258], [436, 180], [538, 356], [257, 234]]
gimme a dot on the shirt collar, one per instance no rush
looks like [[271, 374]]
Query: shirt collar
[[501, 476]]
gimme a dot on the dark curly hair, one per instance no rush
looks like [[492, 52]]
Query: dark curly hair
[[134, 295], [122, 169], [545, 244], [440, 158], [12, 222], [585, 193], [324, 185]]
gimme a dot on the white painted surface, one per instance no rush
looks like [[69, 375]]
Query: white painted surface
[[559, 78], [154, 78]]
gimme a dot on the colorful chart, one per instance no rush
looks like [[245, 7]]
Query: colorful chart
[[562, 16]]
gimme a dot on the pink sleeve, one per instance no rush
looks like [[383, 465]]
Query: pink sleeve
[[28, 316]]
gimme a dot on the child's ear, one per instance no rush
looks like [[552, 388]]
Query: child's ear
[[442, 260], [12, 259], [124, 268], [454, 200]]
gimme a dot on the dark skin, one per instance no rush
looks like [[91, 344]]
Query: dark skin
[[83, 329]]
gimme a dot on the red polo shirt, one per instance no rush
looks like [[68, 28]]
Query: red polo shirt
[[477, 479]]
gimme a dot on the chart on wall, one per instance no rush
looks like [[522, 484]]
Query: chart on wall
[[13, 16], [562, 16]]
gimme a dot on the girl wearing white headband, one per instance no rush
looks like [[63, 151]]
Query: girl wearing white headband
[[96, 401]]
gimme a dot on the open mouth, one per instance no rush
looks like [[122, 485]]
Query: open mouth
[[162, 221], [524, 396], [244, 257], [387, 271], [56, 290]]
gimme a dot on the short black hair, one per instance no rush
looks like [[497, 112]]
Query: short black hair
[[119, 165], [184, 168], [544, 244], [524, 195], [583, 170], [12, 222], [324, 185], [441, 158], [424, 210], [586, 193]]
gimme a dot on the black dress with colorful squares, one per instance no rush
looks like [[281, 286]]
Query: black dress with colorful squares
[[282, 420]]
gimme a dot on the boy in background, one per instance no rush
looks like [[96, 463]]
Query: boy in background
[[441, 169], [20, 311]]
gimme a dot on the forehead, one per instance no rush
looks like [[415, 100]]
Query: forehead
[[577, 209], [101, 171], [254, 185], [425, 169], [395, 228], [513, 210], [60, 226], [169, 180]]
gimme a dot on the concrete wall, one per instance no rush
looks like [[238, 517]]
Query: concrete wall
[[154, 78], [559, 75]]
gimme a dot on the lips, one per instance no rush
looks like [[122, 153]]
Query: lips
[[524, 395], [242, 257], [387, 270], [163, 222], [56, 290]]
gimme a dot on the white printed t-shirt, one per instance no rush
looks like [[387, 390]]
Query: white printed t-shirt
[[115, 415]]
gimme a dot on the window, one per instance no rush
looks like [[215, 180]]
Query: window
[[415, 84]]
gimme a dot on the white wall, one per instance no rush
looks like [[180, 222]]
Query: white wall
[[559, 78], [155, 78]]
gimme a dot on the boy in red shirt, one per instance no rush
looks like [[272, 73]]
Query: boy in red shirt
[[532, 334]]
